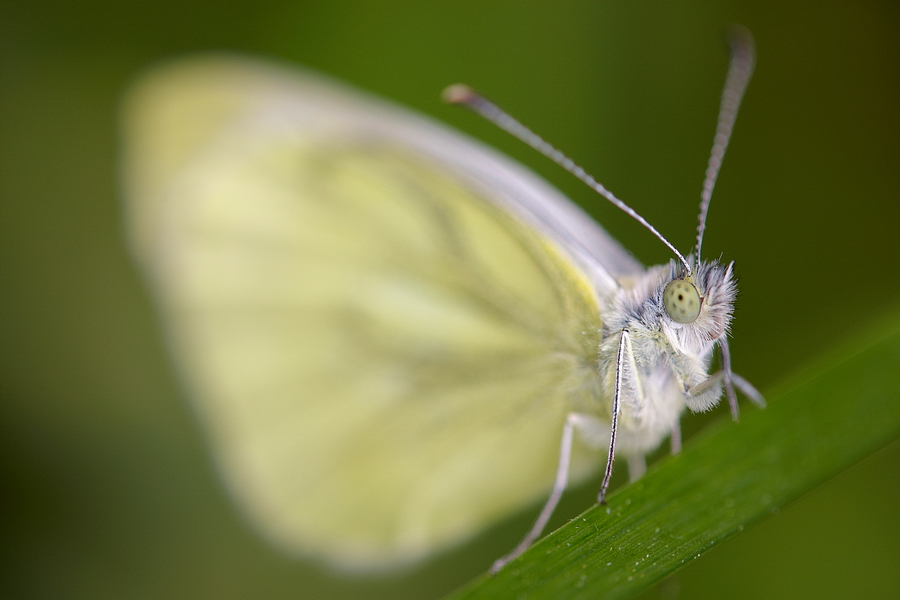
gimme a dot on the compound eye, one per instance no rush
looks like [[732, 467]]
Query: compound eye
[[682, 301]]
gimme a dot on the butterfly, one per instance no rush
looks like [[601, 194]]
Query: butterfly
[[393, 335]]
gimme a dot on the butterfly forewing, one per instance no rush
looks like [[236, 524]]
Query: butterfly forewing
[[383, 354]]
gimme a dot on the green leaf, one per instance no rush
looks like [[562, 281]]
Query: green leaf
[[817, 424]]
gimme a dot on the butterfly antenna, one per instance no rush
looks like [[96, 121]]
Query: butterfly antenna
[[466, 96], [739, 71]]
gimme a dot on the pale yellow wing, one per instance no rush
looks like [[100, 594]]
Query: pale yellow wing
[[381, 323]]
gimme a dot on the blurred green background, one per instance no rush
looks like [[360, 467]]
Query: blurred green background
[[108, 491]]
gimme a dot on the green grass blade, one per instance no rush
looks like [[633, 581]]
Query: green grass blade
[[821, 422]]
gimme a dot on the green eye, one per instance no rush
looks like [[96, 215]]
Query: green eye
[[682, 301]]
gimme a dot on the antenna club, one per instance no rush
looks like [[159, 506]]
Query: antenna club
[[458, 93], [741, 41]]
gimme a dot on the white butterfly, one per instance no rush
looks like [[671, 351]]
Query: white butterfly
[[393, 335]]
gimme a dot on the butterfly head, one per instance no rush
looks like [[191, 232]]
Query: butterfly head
[[702, 301]]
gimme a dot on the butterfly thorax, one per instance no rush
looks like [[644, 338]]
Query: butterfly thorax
[[663, 359]]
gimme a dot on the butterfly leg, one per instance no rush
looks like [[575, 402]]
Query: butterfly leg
[[675, 438], [617, 391], [748, 390], [730, 380], [637, 466], [726, 376], [590, 426]]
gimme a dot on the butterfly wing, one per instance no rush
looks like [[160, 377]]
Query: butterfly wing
[[383, 324]]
